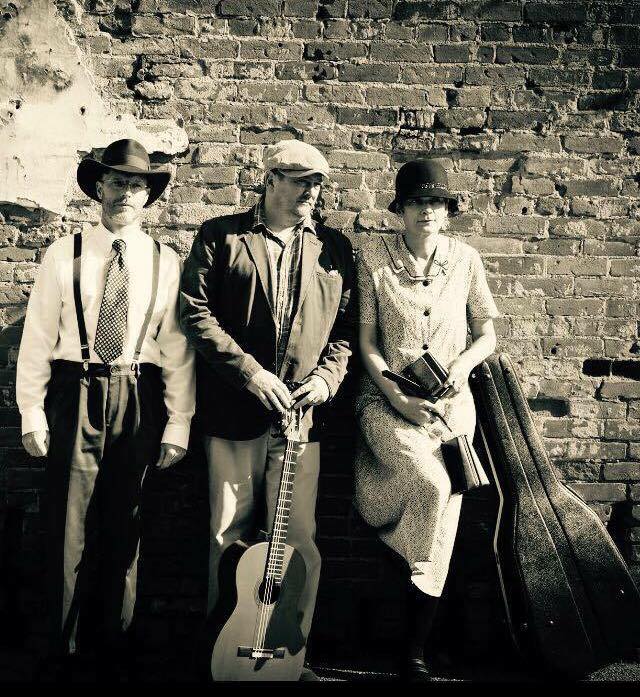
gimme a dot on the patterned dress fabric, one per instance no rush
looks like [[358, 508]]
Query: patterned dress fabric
[[112, 320], [401, 485]]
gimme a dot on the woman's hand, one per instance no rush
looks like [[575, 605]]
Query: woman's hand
[[458, 373], [418, 411]]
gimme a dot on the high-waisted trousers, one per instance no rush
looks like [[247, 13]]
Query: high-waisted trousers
[[105, 431]]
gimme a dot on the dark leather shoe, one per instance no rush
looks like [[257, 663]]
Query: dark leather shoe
[[417, 670]]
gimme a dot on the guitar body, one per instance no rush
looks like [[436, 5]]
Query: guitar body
[[568, 594], [235, 621]]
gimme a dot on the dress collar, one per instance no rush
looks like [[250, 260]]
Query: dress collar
[[403, 260]]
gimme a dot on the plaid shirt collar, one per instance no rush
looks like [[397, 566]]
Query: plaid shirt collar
[[259, 218]]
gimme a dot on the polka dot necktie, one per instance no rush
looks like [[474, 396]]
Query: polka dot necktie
[[112, 320]]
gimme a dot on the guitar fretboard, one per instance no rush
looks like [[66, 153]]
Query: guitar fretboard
[[275, 557]]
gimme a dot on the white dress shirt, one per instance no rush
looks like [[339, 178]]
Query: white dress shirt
[[51, 328]]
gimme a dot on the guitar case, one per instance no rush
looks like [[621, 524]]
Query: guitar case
[[569, 598]]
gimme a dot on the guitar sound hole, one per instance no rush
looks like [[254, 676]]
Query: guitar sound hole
[[273, 593]]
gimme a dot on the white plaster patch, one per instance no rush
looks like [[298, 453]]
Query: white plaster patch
[[51, 110]]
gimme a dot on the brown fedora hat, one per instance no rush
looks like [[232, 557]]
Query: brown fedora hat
[[122, 156]]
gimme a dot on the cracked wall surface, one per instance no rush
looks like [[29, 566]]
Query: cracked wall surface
[[51, 110]]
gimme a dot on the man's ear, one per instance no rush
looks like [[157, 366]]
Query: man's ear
[[99, 190]]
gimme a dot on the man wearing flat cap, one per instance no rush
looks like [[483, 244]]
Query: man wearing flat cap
[[106, 387], [265, 301]]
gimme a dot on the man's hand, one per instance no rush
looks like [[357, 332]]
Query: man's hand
[[169, 455], [270, 390], [314, 390], [36, 443]]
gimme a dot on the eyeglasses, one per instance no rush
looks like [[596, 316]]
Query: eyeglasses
[[123, 183]]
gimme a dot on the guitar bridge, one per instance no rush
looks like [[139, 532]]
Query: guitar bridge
[[251, 652]]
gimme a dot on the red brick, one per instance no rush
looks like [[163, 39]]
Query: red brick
[[271, 50], [165, 25], [452, 53], [573, 307], [349, 159], [249, 8], [622, 430], [525, 265], [392, 96], [401, 52], [592, 187], [554, 14], [300, 8], [592, 491], [625, 390], [495, 75], [518, 142], [577, 267], [527, 54], [572, 347], [556, 77], [527, 226], [622, 471], [461, 118], [594, 450], [366, 117], [604, 287], [625, 36], [278, 93], [334, 50], [625, 267], [593, 144], [424, 9], [370, 9], [369, 72], [621, 308], [431, 75]]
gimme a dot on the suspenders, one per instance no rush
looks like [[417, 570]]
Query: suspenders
[[82, 330]]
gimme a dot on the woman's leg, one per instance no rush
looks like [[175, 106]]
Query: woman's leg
[[421, 613]]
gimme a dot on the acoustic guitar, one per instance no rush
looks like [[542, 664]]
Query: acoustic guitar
[[257, 627]]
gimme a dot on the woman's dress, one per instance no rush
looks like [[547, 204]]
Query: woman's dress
[[401, 485]]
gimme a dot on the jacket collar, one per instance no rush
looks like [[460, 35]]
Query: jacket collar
[[259, 217]]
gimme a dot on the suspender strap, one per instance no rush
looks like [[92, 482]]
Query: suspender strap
[[82, 330], [152, 303]]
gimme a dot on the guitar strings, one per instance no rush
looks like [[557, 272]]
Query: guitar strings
[[265, 610], [278, 530], [280, 524]]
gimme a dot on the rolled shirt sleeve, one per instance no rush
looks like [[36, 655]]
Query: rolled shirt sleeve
[[178, 368], [39, 338], [480, 302]]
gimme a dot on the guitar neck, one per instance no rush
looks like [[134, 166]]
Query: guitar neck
[[275, 555]]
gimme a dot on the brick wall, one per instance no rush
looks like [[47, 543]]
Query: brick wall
[[532, 106]]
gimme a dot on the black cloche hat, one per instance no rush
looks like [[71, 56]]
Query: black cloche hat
[[422, 178], [122, 156]]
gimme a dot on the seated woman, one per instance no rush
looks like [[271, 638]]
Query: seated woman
[[420, 291]]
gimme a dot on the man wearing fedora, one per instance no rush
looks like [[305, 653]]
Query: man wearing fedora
[[265, 301], [105, 387]]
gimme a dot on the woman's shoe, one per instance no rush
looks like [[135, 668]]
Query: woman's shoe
[[417, 671]]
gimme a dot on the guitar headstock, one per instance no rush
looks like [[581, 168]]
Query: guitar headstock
[[291, 424]]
